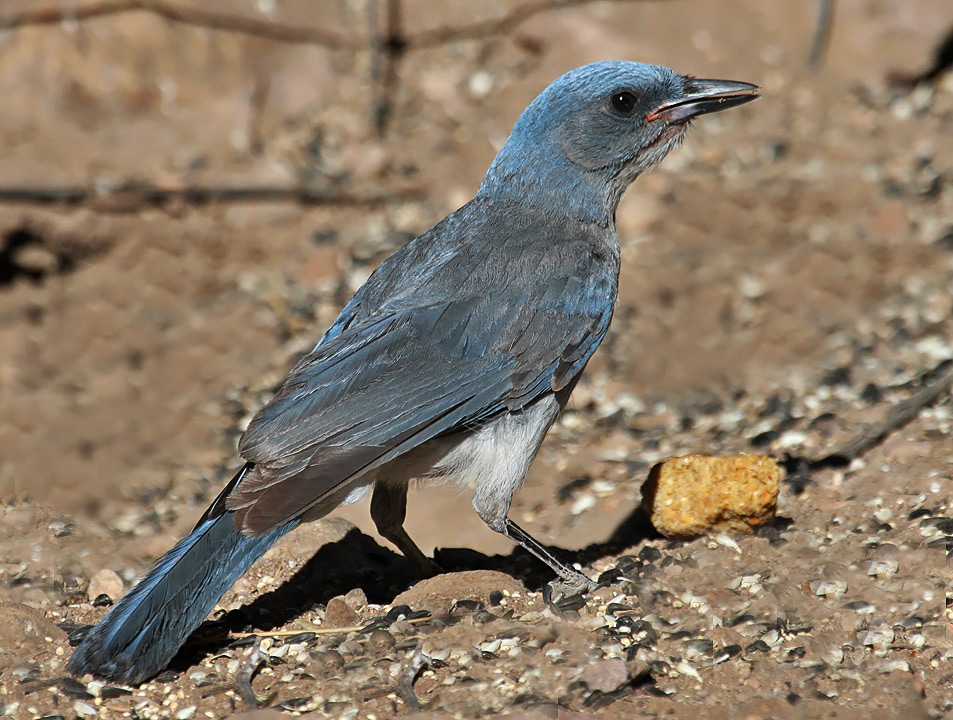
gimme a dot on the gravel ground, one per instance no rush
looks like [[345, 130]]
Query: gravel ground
[[786, 284]]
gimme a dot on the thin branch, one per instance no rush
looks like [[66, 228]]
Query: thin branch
[[896, 418], [247, 672], [321, 630], [823, 18], [282, 32], [504, 25], [133, 198], [387, 48], [186, 15]]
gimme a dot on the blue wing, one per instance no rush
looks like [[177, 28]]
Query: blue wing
[[382, 383]]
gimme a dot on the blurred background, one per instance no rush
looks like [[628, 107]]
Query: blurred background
[[191, 191]]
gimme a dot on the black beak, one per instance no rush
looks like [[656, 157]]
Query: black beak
[[704, 96]]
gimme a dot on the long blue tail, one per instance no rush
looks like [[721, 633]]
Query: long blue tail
[[144, 630]]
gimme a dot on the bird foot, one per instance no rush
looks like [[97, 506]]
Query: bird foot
[[567, 587]]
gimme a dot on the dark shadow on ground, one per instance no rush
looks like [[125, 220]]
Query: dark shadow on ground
[[358, 561]]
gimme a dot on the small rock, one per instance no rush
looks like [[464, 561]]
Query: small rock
[[105, 582], [878, 635], [329, 660], [883, 569], [691, 495], [356, 599], [605, 675], [381, 640], [339, 614]]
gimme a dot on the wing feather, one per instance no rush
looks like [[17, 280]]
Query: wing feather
[[380, 385]]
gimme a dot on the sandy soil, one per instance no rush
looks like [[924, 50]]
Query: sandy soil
[[786, 279]]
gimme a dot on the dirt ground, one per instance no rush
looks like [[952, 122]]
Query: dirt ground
[[786, 280]]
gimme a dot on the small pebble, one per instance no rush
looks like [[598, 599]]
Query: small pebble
[[381, 640], [105, 582], [339, 614], [356, 599], [329, 660]]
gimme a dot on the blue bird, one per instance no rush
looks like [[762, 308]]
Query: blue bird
[[451, 362]]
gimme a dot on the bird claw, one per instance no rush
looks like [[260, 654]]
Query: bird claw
[[558, 589]]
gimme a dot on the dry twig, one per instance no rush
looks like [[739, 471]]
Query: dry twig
[[823, 17], [184, 14], [136, 197], [407, 677], [243, 24], [247, 672], [387, 49], [897, 417], [322, 630], [503, 25]]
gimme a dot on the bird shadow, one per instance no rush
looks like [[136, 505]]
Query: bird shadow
[[359, 561]]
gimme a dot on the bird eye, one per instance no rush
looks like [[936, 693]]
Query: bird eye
[[623, 102]]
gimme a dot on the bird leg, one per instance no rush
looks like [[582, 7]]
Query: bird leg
[[388, 510], [573, 579]]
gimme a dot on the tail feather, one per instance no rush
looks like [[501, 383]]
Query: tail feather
[[144, 630]]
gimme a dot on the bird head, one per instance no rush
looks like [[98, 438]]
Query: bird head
[[594, 130]]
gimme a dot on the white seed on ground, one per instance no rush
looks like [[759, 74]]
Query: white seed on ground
[[728, 542], [84, 709], [603, 487], [586, 501], [883, 515], [280, 651], [685, 669], [440, 655]]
